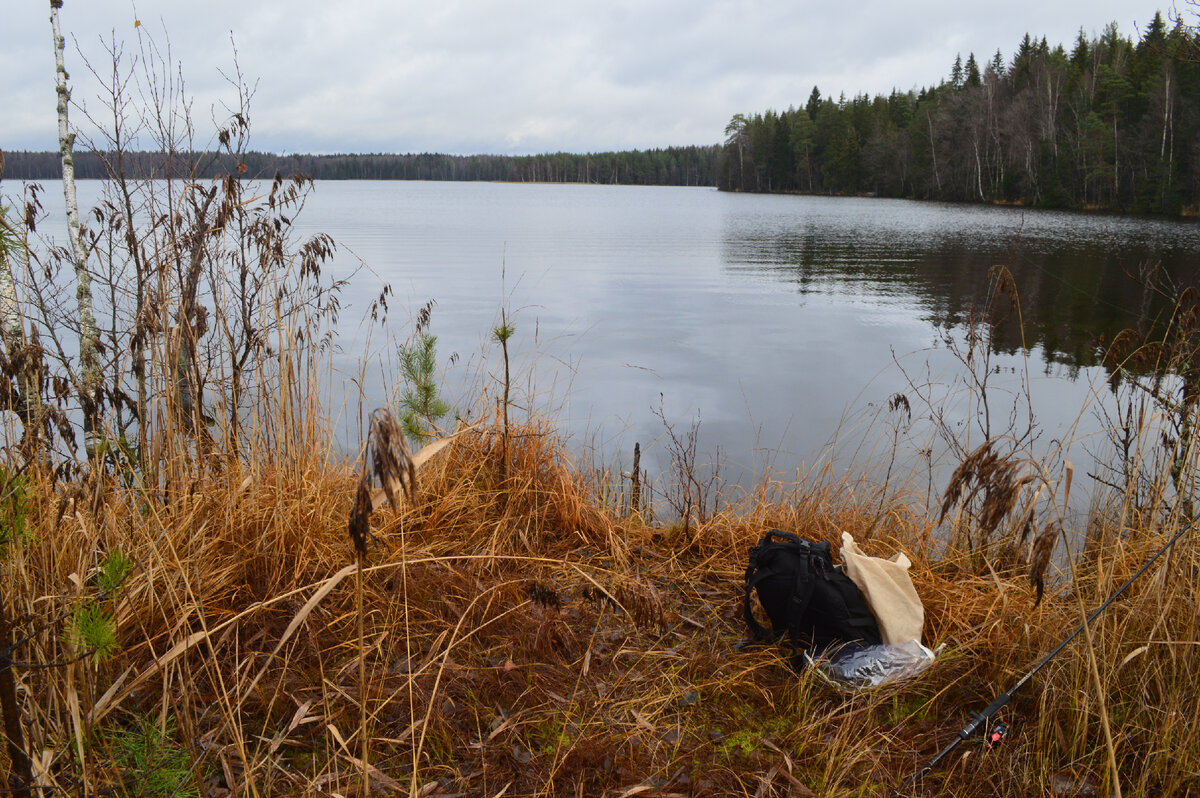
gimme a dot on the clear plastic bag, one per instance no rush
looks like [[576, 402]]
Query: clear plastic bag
[[872, 666]]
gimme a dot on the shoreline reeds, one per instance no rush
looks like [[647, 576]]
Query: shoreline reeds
[[551, 646]]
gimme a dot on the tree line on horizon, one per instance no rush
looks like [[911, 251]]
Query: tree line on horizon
[[1113, 123], [671, 166]]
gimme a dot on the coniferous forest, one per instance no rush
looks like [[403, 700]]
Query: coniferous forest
[[1110, 123], [671, 166]]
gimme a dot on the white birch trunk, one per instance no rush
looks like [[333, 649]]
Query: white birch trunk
[[933, 153], [1162, 153], [978, 171], [1051, 114], [89, 336], [10, 312], [1116, 162], [12, 328]]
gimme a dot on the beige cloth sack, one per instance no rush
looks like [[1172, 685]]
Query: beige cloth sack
[[889, 591]]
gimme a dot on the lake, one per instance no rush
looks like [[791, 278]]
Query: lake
[[782, 325]]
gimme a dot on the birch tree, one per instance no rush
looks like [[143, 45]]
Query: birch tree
[[10, 313], [21, 357], [88, 375]]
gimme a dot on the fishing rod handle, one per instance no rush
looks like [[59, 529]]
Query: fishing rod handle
[[980, 718]]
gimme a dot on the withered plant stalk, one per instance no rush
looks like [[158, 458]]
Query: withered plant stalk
[[386, 450], [20, 777]]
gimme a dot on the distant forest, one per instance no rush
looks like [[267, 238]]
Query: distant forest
[[673, 166], [1111, 123]]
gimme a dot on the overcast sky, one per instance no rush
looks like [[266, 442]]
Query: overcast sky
[[522, 76]]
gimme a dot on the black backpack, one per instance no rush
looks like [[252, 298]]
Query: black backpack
[[806, 597]]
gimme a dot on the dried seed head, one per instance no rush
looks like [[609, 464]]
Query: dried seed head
[[995, 477], [1043, 545], [1003, 287], [392, 464], [391, 458], [643, 603], [360, 516], [1026, 528], [545, 596]]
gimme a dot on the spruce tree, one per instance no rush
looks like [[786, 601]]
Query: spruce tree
[[814, 102], [973, 77]]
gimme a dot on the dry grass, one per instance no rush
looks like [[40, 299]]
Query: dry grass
[[550, 647]]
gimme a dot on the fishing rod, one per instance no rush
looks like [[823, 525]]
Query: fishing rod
[[980, 719]]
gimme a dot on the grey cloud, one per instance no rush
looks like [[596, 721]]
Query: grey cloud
[[527, 75]]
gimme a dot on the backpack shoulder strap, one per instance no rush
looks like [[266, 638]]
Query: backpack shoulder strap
[[754, 575], [801, 596]]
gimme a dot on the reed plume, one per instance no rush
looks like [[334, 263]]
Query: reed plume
[[360, 517], [392, 464], [1043, 545], [996, 477], [391, 457]]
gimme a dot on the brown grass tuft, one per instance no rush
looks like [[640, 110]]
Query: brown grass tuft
[[556, 649]]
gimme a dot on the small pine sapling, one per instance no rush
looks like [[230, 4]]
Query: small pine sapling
[[421, 403]]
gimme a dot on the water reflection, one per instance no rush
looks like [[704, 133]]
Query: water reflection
[[1081, 278]]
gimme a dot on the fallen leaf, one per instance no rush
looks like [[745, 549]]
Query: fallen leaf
[[641, 788], [1137, 652]]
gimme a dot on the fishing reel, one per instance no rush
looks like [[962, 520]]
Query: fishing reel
[[995, 736]]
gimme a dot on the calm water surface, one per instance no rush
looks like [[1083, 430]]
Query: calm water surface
[[780, 323]]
